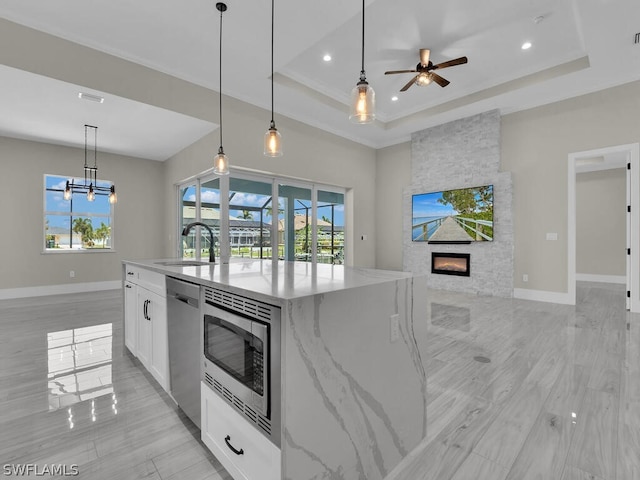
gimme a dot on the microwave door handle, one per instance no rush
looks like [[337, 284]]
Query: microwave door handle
[[260, 331]]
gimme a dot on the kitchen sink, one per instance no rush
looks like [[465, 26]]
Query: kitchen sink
[[182, 263]]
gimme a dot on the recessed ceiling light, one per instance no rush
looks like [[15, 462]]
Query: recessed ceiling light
[[394, 99], [90, 97], [526, 46], [327, 57]]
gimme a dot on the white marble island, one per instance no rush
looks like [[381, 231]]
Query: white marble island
[[353, 400]]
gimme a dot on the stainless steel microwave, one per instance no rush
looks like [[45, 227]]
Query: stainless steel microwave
[[241, 356]]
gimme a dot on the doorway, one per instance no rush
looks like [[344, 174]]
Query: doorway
[[628, 158]]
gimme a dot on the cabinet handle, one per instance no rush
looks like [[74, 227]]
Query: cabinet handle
[[127, 286], [227, 440], [129, 273], [144, 310], [148, 316]]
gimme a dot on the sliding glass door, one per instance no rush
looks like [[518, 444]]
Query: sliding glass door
[[307, 225]]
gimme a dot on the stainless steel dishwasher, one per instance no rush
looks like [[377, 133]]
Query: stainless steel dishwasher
[[183, 323]]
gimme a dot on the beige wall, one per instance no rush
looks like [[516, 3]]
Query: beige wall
[[535, 148], [138, 222], [393, 174], [601, 227]]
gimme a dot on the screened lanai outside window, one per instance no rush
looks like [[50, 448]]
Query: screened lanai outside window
[[76, 224], [330, 227], [295, 222], [207, 210], [253, 229], [250, 218]]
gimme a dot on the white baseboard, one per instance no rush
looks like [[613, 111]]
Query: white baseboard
[[44, 290], [590, 277], [543, 296]]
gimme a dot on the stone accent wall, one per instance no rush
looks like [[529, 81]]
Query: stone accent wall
[[460, 154]]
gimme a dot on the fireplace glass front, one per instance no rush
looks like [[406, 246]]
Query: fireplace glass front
[[451, 263]]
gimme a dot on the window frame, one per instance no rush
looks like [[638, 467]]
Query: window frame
[[77, 214]]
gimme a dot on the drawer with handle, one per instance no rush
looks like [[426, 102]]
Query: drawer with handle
[[244, 452]]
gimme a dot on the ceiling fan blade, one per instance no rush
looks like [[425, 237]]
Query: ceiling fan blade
[[411, 82], [424, 56], [451, 63], [443, 82], [393, 72]]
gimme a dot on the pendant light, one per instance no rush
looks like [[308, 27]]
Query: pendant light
[[221, 161], [363, 98], [272, 139], [90, 185]]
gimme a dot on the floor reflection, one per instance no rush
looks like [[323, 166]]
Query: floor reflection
[[80, 362], [450, 317]]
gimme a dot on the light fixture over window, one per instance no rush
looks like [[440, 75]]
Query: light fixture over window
[[90, 185], [363, 98], [272, 139], [220, 161]]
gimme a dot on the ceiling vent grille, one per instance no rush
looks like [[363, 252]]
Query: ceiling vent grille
[[90, 97], [637, 39]]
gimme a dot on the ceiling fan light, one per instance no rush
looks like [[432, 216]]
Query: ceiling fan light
[[424, 79], [363, 103]]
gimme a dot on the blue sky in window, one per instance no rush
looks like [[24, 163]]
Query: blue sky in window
[[55, 202]]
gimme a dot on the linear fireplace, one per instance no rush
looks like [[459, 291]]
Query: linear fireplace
[[451, 263]]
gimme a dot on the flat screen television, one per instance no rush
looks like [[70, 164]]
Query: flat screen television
[[453, 216]]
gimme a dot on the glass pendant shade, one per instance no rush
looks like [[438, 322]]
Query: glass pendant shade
[[272, 142], [221, 163], [363, 103], [113, 198]]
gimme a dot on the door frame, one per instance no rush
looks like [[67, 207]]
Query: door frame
[[613, 157]]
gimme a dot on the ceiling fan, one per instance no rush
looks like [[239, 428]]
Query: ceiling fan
[[425, 71]]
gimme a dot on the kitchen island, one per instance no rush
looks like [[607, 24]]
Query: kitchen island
[[352, 354]]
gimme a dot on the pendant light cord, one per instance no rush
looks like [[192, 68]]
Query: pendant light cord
[[220, 91], [272, 28], [362, 75]]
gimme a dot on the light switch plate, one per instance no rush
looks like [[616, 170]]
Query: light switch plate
[[552, 236]]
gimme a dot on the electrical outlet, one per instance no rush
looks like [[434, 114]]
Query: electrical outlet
[[394, 327], [72, 273], [525, 277]]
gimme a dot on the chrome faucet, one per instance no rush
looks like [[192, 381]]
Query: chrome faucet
[[185, 232]]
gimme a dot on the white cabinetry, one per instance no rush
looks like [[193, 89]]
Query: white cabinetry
[[130, 316], [240, 448], [145, 322]]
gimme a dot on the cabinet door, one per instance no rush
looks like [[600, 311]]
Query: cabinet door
[[144, 327], [240, 448], [130, 317], [159, 365]]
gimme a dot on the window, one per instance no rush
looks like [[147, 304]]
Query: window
[[76, 224], [251, 232]]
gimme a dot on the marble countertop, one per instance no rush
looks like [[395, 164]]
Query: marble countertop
[[277, 280]]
